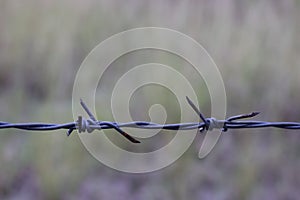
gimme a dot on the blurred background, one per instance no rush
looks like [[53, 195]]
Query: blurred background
[[256, 46]]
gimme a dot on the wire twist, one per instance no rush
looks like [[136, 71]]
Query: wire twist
[[207, 124]]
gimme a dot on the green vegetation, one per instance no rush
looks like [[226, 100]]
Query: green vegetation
[[255, 44]]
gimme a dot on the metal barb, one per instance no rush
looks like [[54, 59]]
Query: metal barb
[[87, 110], [94, 122], [243, 116], [197, 110]]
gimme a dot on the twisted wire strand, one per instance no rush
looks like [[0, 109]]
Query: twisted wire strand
[[91, 124]]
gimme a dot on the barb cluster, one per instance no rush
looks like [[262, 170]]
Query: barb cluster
[[91, 124]]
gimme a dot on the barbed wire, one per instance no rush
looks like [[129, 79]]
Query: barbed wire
[[91, 124]]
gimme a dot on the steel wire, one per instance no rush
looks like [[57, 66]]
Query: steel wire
[[91, 124]]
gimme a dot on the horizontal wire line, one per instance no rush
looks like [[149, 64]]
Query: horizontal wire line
[[91, 124]]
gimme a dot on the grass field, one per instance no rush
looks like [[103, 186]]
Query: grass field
[[255, 44]]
